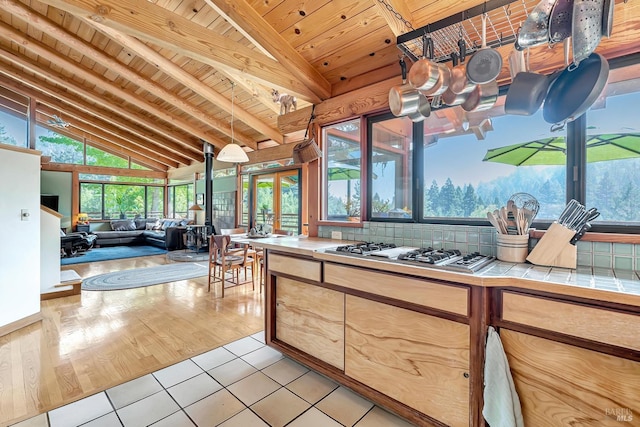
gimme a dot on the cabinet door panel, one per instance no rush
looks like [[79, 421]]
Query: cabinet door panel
[[417, 359], [563, 385], [311, 318]]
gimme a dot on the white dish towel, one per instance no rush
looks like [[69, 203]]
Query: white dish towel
[[501, 402]]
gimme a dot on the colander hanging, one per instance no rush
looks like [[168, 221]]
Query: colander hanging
[[586, 28]]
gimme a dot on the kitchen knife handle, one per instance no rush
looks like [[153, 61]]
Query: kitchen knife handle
[[580, 234]]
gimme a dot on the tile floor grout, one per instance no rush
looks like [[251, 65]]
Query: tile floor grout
[[322, 402]]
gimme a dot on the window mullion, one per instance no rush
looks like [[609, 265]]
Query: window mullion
[[577, 159]]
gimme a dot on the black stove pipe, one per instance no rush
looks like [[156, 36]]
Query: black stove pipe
[[208, 187]]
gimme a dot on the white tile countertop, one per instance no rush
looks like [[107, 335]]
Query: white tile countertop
[[620, 286]]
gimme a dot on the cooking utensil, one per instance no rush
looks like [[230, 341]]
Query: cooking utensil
[[586, 28], [575, 90], [444, 78], [517, 62], [607, 18], [482, 97], [486, 63], [527, 92], [526, 203], [423, 111], [425, 73], [535, 29], [495, 222], [403, 99], [560, 21], [450, 97], [459, 82]]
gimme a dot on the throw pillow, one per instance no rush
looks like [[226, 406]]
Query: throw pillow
[[141, 224], [157, 225], [150, 226]]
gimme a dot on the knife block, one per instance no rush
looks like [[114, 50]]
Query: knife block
[[554, 249]]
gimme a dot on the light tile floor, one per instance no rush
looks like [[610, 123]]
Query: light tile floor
[[242, 384]]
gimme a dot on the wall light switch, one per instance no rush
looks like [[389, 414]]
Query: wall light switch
[[24, 214], [336, 235]]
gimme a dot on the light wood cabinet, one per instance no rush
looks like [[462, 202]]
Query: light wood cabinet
[[564, 385], [311, 319], [616, 328], [427, 293], [417, 359]]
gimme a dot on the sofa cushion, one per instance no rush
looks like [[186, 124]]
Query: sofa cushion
[[123, 225], [168, 223], [118, 234]]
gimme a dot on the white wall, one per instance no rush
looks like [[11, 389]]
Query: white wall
[[49, 252], [20, 242]]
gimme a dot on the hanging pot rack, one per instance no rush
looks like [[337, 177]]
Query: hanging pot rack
[[504, 18]]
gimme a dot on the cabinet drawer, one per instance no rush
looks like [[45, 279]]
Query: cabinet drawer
[[303, 268], [592, 323], [453, 299], [311, 319]]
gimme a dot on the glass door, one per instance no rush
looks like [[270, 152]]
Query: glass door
[[276, 201]]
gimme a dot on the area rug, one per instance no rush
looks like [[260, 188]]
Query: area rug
[[112, 252], [139, 277], [187, 256]]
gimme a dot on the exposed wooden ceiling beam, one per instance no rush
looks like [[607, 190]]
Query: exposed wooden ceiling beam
[[45, 25], [246, 20], [137, 150], [100, 82], [110, 114], [102, 170], [148, 21], [177, 73], [257, 91], [395, 24]]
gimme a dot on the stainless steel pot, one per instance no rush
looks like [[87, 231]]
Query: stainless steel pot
[[403, 100], [423, 111]]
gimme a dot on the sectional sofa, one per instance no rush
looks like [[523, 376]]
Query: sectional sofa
[[164, 233]]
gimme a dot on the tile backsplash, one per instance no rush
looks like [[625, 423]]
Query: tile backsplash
[[618, 256]]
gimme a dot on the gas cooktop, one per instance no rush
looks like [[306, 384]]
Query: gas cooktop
[[448, 259]]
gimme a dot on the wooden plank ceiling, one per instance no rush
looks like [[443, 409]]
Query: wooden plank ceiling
[[152, 79]]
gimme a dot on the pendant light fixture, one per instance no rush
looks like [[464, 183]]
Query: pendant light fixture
[[232, 153]]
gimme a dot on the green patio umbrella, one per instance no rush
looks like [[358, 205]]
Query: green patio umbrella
[[552, 151]]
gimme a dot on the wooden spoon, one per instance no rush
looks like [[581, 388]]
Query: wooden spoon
[[494, 221]]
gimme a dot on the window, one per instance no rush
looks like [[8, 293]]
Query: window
[[342, 163], [61, 148], [181, 197], [111, 201], [13, 128], [470, 172], [14, 111], [244, 206], [613, 157], [391, 160], [98, 157]]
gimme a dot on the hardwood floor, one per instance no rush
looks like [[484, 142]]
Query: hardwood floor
[[90, 342]]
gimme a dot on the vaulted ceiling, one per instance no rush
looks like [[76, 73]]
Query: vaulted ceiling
[[152, 79]]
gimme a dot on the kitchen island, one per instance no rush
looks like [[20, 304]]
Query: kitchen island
[[412, 338]]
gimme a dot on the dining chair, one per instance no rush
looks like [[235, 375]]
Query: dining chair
[[259, 256], [223, 259]]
